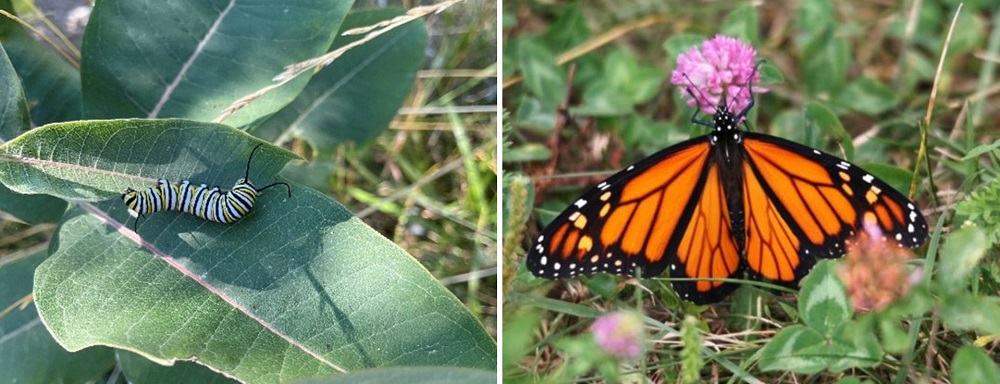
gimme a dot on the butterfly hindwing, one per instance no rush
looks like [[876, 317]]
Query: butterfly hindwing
[[706, 249]]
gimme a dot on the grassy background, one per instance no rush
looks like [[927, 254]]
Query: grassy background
[[872, 65]]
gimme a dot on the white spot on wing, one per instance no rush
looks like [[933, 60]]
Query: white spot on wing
[[868, 178], [544, 260], [580, 203]]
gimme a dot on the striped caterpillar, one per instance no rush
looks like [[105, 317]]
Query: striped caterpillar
[[207, 203]]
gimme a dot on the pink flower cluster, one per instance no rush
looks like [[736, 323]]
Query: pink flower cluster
[[875, 270], [619, 334], [722, 66]]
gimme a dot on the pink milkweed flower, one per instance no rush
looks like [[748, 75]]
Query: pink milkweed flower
[[722, 66], [619, 334]]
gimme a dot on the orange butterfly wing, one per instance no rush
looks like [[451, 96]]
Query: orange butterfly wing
[[666, 210], [627, 223], [707, 250], [802, 204]]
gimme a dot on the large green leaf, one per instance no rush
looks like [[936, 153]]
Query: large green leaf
[[28, 354], [297, 288], [411, 375], [960, 256], [355, 97], [98, 160], [154, 58], [138, 369], [823, 301], [52, 85], [14, 120], [973, 365], [783, 352], [31, 209]]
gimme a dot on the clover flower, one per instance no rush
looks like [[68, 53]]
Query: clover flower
[[722, 67], [875, 271], [619, 334]]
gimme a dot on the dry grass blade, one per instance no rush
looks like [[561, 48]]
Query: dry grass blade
[[597, 42], [922, 151], [72, 58], [372, 31], [19, 304]]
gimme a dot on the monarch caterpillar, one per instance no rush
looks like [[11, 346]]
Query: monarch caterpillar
[[209, 204]]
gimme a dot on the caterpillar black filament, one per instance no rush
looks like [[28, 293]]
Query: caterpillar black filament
[[207, 203]]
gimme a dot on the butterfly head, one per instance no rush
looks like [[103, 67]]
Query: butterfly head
[[724, 120]]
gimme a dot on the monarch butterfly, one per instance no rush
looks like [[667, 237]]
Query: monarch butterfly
[[722, 204], [209, 204]]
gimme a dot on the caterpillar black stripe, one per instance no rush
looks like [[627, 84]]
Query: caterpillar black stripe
[[207, 203]]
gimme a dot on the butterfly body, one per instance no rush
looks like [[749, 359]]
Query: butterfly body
[[717, 205]]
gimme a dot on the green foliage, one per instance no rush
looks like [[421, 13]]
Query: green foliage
[[828, 122], [519, 193], [300, 287], [22, 334], [135, 74], [691, 361], [973, 365], [982, 207], [413, 375], [829, 339], [352, 100], [623, 84], [840, 79], [959, 256]]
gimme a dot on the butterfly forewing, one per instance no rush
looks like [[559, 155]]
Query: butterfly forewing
[[826, 200], [626, 223]]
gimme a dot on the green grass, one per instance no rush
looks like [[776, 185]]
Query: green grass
[[429, 184]]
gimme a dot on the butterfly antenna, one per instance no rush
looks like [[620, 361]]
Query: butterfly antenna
[[697, 100], [694, 117], [246, 176], [278, 183]]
